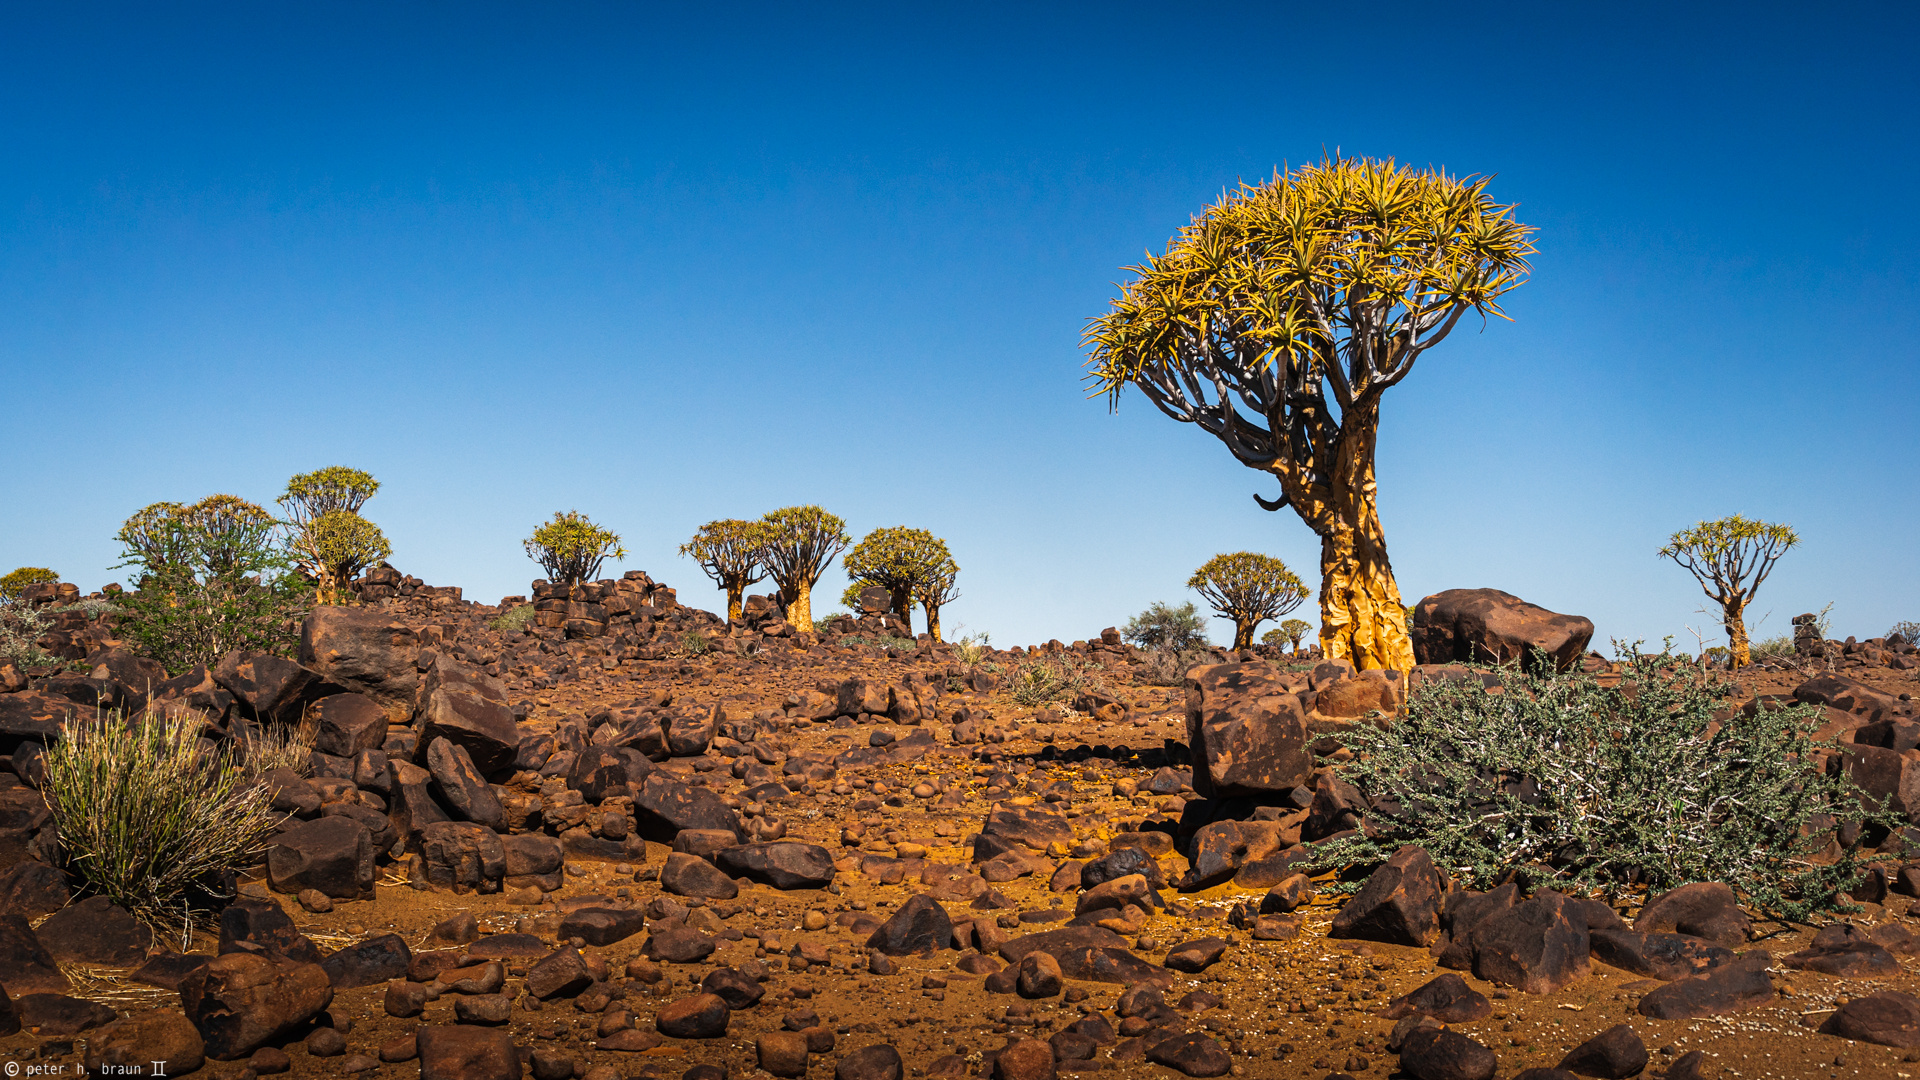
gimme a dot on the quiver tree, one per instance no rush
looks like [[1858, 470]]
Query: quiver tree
[[331, 542], [800, 542], [730, 552], [1294, 630], [1248, 589], [1730, 558], [570, 549], [901, 561], [935, 590], [16, 581], [153, 538], [1278, 318]]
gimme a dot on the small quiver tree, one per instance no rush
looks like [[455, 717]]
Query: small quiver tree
[[330, 541], [901, 561], [1277, 319], [570, 549], [16, 582], [730, 551], [1248, 589], [936, 590], [1730, 558], [800, 542], [1295, 630]]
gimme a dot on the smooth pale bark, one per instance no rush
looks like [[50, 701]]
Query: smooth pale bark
[[1362, 619], [933, 622]]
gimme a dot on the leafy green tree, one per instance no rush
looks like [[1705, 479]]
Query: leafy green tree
[[902, 561], [1278, 318], [213, 577], [1163, 626], [730, 551], [1248, 589], [800, 542], [1730, 558], [570, 549], [332, 542], [16, 582]]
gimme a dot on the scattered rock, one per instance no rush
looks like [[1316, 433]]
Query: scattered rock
[[1889, 1018], [240, 1001], [1487, 626], [1438, 1054], [921, 925], [1447, 999], [702, 1016], [465, 1052], [1399, 904], [1735, 986], [1614, 1054], [1705, 909]]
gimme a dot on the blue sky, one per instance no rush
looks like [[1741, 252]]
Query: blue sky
[[664, 265]]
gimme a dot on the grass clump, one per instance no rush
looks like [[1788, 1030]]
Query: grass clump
[[21, 627], [1043, 680], [516, 620], [149, 816], [1559, 781], [279, 746]]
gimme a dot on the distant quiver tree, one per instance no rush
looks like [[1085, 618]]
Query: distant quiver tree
[[1247, 589], [1277, 319], [1730, 558], [331, 542], [905, 562], [730, 551], [570, 549]]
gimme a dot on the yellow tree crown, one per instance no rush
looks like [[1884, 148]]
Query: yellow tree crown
[[571, 548], [1246, 585], [1730, 557], [800, 542], [729, 550], [323, 491]]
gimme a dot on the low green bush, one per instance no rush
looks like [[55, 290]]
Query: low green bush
[[1163, 626], [1046, 679], [1560, 781], [148, 815], [516, 620], [21, 628]]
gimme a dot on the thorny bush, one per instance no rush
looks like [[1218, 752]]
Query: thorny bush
[[1563, 782]]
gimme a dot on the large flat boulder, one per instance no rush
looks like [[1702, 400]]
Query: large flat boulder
[[467, 707], [1247, 729], [363, 650], [1487, 626]]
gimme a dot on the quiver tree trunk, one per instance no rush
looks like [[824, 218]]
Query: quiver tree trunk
[[933, 623], [800, 606], [1734, 619], [1362, 619], [734, 589], [1243, 633]]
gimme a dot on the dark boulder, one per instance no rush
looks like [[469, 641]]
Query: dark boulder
[[783, 864], [1247, 731], [1399, 904], [1487, 626]]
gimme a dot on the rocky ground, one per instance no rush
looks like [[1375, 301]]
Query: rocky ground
[[631, 842]]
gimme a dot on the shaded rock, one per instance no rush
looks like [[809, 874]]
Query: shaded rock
[[262, 922], [663, 807], [1221, 848], [678, 945], [369, 962], [1656, 955], [332, 855], [460, 786], [1399, 904], [58, 1014], [1705, 909], [1194, 1054], [1438, 1054], [1038, 976], [465, 1052], [878, 1062], [921, 925], [32, 889], [167, 970], [1110, 965], [129, 1047], [782, 1053], [702, 1016], [1447, 999], [599, 926], [1614, 1054], [1027, 826], [1196, 956], [1844, 950], [1889, 1018], [468, 708], [563, 973], [1732, 987], [1119, 863], [240, 1001], [1487, 626], [346, 725], [96, 931], [462, 856], [736, 989], [1538, 946], [270, 689], [1024, 1059], [690, 875], [783, 864], [1247, 731], [1296, 890]]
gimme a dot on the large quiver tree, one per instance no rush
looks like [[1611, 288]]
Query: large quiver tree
[[1278, 318], [799, 542]]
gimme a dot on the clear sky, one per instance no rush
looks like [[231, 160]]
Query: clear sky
[[666, 264]]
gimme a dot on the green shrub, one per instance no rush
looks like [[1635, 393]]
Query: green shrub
[[1906, 629], [147, 814], [884, 641], [695, 642], [1163, 626], [517, 619], [21, 628], [1563, 782], [571, 549], [1169, 667], [1773, 648], [16, 582]]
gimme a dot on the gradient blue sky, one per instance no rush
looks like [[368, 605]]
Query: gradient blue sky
[[664, 265]]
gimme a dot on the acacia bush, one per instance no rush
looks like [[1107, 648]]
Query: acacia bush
[[149, 816], [1163, 626], [1560, 781]]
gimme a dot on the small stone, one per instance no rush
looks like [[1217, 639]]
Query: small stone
[[1614, 1054], [782, 1053], [483, 1009], [814, 920], [315, 901], [326, 1042], [702, 1016], [877, 1062]]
